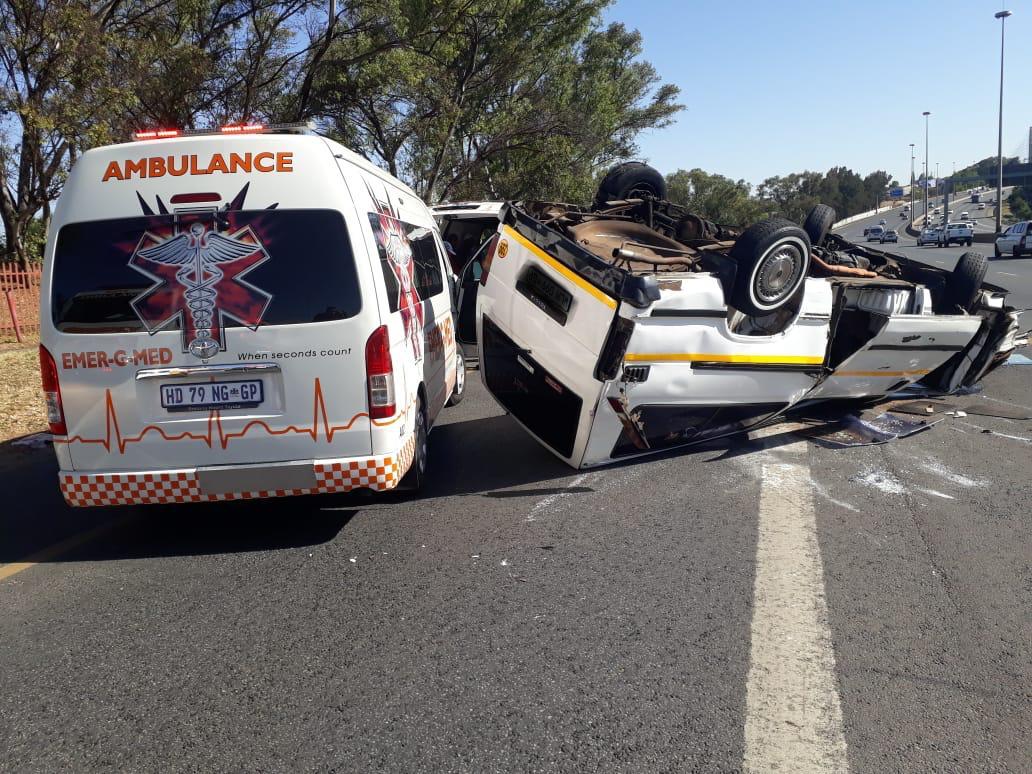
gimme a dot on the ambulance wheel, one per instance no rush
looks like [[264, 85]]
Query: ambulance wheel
[[772, 259], [966, 280], [818, 223], [460, 377], [630, 180], [416, 476]]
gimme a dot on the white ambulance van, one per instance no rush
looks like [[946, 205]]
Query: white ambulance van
[[249, 312]]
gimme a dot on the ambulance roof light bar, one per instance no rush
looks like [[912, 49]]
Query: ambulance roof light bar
[[298, 127]]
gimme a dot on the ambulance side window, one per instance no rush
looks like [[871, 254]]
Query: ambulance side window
[[428, 276]]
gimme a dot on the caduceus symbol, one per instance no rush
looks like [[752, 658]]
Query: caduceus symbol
[[199, 253]]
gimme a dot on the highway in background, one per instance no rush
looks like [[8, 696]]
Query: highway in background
[[1013, 274]]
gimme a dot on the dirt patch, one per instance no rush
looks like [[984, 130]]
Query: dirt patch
[[21, 402]]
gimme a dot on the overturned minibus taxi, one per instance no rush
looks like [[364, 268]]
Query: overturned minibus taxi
[[634, 326], [242, 313]]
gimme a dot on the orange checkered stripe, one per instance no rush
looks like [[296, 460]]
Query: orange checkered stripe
[[83, 490]]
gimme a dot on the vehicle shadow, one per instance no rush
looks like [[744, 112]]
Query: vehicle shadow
[[36, 524]]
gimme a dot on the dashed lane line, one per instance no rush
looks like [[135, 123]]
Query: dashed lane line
[[793, 712]]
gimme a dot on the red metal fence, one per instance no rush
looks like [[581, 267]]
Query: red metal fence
[[19, 302]]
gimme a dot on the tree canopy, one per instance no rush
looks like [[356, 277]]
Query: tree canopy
[[458, 98]]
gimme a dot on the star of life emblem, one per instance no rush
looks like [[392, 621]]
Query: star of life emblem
[[198, 276]]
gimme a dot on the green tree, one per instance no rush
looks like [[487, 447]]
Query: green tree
[[507, 99], [715, 197]]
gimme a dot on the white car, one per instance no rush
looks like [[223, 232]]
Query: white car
[[1015, 241], [874, 233], [257, 314], [958, 233], [606, 338], [928, 236], [981, 206], [469, 228], [881, 222], [963, 216]]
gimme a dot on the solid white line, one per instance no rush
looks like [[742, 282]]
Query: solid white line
[[793, 714]]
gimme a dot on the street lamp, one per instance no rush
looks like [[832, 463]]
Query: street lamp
[[1002, 16], [926, 114], [911, 182]]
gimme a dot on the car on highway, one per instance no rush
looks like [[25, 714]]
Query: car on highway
[[881, 222], [981, 205], [890, 236], [903, 214], [1015, 241], [928, 236], [632, 325], [964, 216], [956, 233], [240, 314], [874, 233]]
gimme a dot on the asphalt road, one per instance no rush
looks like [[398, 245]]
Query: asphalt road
[[704, 611], [1013, 274]]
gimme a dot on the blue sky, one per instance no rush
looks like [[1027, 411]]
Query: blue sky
[[779, 86]]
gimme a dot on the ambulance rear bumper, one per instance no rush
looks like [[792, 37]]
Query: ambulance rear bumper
[[236, 482]]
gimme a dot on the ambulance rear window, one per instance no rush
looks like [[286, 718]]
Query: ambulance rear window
[[250, 268]]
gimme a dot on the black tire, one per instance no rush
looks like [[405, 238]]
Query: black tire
[[460, 378], [416, 475], [818, 223], [969, 242], [772, 259], [1017, 252], [996, 251], [966, 280], [630, 180]]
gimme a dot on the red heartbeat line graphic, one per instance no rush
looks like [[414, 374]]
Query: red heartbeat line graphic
[[113, 433]]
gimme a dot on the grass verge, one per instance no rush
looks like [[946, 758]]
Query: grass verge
[[21, 404]]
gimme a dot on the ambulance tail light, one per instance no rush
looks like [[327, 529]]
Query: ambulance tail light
[[52, 392], [380, 374]]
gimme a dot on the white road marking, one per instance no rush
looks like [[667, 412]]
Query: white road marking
[[545, 502], [793, 713], [936, 467], [934, 493], [987, 431]]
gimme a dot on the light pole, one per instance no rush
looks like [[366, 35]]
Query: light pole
[[912, 183], [1002, 16], [926, 114]]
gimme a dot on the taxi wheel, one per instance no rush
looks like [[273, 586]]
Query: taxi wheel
[[460, 378], [966, 280], [818, 223], [996, 252], [630, 180], [416, 476], [772, 259]]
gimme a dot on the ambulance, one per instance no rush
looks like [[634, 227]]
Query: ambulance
[[253, 311]]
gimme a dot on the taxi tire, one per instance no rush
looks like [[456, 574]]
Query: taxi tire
[[416, 476], [754, 250], [965, 280], [460, 378], [996, 252], [818, 223], [628, 180]]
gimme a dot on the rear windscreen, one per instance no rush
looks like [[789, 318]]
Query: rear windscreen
[[203, 271]]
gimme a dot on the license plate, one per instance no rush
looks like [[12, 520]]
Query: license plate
[[212, 395]]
